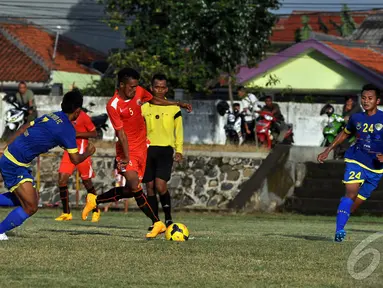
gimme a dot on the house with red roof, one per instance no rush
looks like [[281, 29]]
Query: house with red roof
[[30, 53], [285, 28], [327, 70]]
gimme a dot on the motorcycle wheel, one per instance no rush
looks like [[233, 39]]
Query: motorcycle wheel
[[6, 134]]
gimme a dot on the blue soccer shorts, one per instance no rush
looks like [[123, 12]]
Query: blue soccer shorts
[[368, 180], [14, 175]]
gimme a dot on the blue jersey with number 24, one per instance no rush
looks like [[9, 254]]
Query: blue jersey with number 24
[[369, 140]]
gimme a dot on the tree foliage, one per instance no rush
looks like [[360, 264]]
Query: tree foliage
[[225, 33], [347, 27], [322, 26], [306, 28], [103, 87], [151, 45], [192, 41], [348, 23]]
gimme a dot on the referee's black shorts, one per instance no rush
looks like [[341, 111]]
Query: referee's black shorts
[[159, 163]]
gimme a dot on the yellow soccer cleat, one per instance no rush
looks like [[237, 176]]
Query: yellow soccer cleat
[[96, 216], [64, 217], [89, 206], [158, 228]]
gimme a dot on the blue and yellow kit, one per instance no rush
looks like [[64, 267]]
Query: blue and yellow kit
[[362, 164], [45, 133]]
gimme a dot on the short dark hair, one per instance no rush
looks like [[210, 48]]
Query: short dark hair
[[126, 73], [268, 97], [236, 105], [241, 88], [348, 97], [371, 87], [159, 77], [71, 101], [22, 83]]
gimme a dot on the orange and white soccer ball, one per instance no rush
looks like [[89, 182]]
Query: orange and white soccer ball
[[177, 232]]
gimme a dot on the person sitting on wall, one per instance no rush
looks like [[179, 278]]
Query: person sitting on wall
[[280, 125], [350, 107], [26, 97]]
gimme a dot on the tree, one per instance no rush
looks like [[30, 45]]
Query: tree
[[151, 45], [348, 24], [226, 33], [297, 35], [306, 28], [322, 26], [102, 87]]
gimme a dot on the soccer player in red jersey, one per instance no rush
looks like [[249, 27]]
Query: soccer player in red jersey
[[85, 129], [124, 110]]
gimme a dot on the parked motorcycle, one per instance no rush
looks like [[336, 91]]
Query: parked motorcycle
[[266, 131], [99, 121], [335, 125], [233, 126], [15, 117]]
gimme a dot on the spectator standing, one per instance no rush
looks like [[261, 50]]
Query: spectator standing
[[249, 104]]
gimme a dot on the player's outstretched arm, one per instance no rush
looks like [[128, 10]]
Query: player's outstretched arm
[[76, 158], [86, 135], [163, 102], [338, 140], [18, 133]]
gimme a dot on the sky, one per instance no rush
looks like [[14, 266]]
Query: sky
[[327, 5]]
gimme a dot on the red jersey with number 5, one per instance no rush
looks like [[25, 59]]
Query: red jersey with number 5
[[126, 114]]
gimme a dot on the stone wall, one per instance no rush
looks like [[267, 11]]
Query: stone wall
[[202, 181], [198, 181]]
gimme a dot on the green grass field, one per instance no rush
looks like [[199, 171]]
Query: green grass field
[[223, 251]]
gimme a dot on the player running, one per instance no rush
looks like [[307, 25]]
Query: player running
[[364, 160], [124, 110], [85, 129], [31, 140]]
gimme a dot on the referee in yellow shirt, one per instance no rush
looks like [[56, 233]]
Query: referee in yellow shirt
[[165, 133]]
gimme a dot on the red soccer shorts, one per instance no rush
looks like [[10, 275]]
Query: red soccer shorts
[[137, 160], [84, 168]]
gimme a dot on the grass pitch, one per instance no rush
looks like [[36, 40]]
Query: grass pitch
[[223, 251]]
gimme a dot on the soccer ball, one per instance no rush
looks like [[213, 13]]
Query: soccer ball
[[177, 232]]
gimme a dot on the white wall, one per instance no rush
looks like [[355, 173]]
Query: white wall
[[204, 125]]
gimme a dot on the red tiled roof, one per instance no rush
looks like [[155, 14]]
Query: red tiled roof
[[68, 54], [16, 66], [363, 55], [284, 30]]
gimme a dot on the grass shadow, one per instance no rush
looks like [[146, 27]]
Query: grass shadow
[[305, 237], [104, 226], [364, 231], [78, 232]]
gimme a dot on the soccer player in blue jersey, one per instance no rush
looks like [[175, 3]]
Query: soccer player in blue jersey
[[364, 159], [31, 140]]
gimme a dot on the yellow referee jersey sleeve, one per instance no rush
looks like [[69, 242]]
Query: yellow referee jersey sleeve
[[164, 126]]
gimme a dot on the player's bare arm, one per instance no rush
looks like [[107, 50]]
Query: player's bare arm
[[124, 143], [338, 140], [86, 135], [18, 133], [77, 158], [380, 157], [163, 102]]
